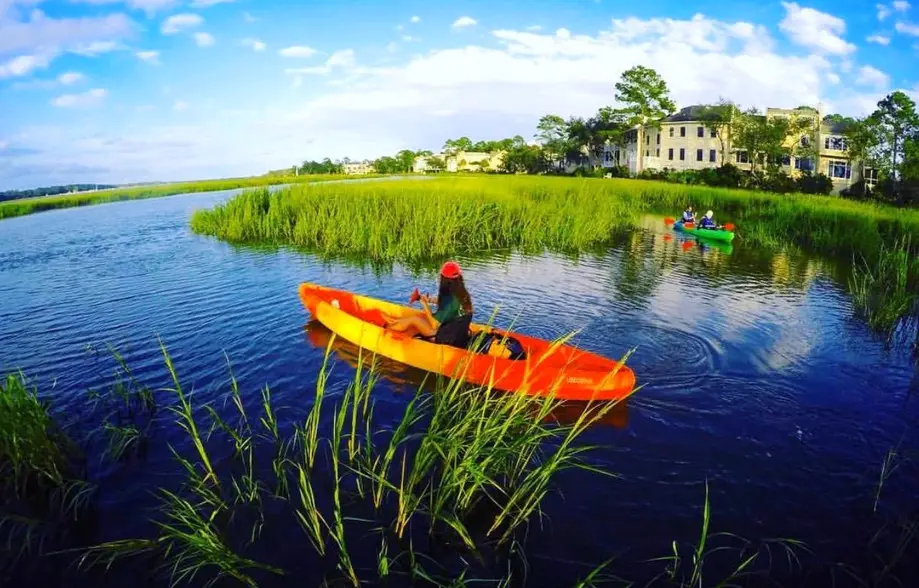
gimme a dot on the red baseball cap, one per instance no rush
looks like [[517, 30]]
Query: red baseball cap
[[450, 270]]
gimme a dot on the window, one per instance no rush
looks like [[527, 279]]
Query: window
[[698, 155], [658, 138], [804, 164], [742, 157], [647, 152], [714, 133], [700, 132], [805, 141], [647, 139], [658, 152], [836, 143], [682, 131], [671, 131], [682, 154], [711, 155], [670, 153], [607, 156], [871, 176], [839, 170]]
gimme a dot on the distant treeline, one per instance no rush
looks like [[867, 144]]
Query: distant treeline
[[51, 191]]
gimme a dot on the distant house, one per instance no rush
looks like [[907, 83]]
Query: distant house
[[682, 142], [358, 167], [465, 161]]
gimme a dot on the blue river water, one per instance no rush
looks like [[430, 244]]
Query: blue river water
[[757, 376]]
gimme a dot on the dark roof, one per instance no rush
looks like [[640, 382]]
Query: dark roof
[[690, 113]]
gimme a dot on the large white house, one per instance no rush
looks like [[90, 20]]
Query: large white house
[[682, 142]]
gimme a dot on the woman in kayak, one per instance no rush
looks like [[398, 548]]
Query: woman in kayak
[[707, 222], [453, 303], [689, 216]]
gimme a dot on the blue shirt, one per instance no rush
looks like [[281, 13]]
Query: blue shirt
[[707, 223]]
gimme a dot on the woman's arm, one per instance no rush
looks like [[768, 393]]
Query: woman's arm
[[428, 314]]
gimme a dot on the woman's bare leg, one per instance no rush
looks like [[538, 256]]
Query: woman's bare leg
[[412, 324]]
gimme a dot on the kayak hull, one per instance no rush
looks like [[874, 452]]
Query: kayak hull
[[564, 371], [711, 234]]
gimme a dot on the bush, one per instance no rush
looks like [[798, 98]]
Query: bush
[[816, 184], [776, 180]]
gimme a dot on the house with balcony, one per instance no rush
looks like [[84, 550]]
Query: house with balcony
[[682, 142]]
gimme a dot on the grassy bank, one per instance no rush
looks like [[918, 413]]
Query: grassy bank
[[408, 220], [23, 206], [415, 222]]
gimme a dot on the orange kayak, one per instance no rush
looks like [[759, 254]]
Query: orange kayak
[[568, 372]]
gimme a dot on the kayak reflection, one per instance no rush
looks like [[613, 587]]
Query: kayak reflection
[[409, 380]]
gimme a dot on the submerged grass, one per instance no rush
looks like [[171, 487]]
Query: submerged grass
[[23, 206], [887, 288]]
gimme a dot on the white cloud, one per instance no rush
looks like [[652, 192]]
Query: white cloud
[[297, 51], [86, 99], [152, 57], [38, 31], [879, 39], [392, 47], [883, 11], [207, 3], [832, 78], [96, 48], [900, 5], [69, 78], [148, 6], [815, 30], [178, 22], [248, 17], [343, 59], [463, 21], [415, 19], [870, 76], [254, 44], [534, 28], [409, 39], [204, 39], [180, 105], [23, 65], [908, 29]]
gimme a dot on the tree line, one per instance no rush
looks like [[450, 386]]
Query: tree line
[[51, 191], [886, 141]]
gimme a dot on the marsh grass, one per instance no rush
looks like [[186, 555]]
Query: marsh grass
[[43, 489], [23, 206], [887, 288], [420, 223]]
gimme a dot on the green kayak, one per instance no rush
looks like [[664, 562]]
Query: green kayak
[[712, 234]]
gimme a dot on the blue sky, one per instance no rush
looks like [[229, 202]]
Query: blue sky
[[139, 90]]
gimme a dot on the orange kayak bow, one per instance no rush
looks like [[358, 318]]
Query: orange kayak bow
[[571, 373]]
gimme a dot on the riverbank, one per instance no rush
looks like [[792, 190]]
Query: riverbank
[[410, 222], [23, 206]]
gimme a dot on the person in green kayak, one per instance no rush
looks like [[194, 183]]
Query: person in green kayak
[[689, 216], [449, 325], [707, 221]]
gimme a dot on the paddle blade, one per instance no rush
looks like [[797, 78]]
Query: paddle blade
[[668, 238], [729, 226], [687, 245], [415, 297], [669, 221]]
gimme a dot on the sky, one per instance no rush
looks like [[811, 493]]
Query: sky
[[118, 91]]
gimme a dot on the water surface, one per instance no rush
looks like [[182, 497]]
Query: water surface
[[757, 377]]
